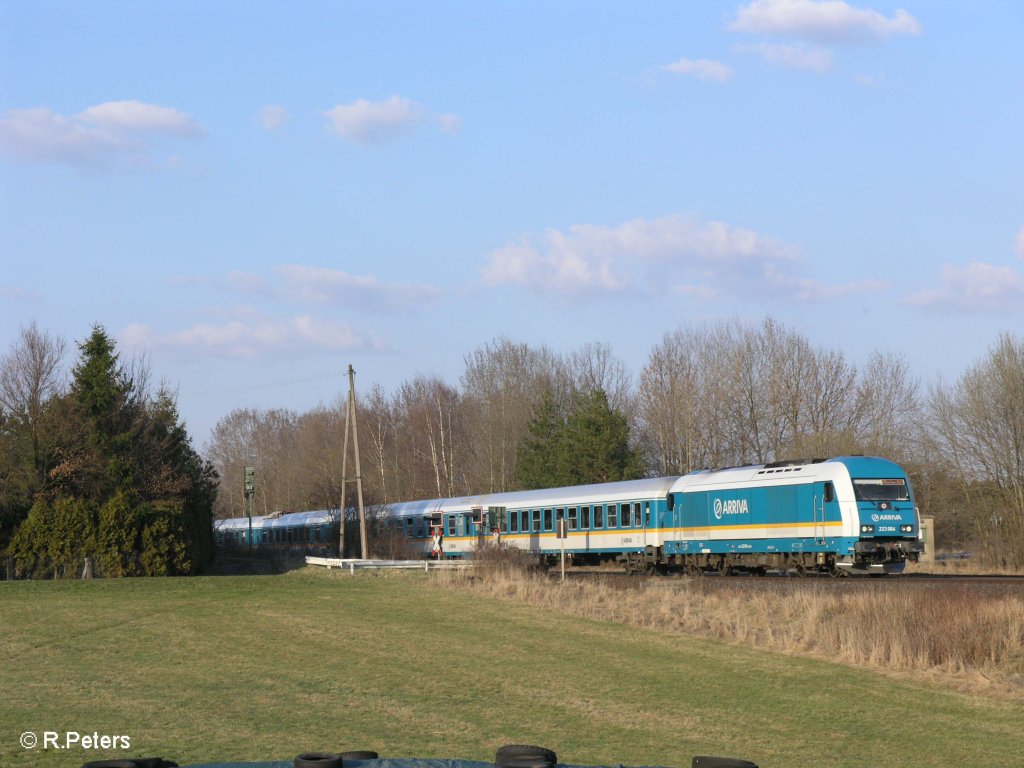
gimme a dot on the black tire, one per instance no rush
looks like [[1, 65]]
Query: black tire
[[318, 760], [358, 754], [524, 756], [705, 761]]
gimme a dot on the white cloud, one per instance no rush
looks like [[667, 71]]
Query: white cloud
[[115, 131], [320, 285], [371, 122], [450, 124], [368, 122], [696, 256], [703, 69], [139, 117], [1019, 243], [274, 117], [978, 287], [682, 255], [806, 57], [827, 20], [253, 337]]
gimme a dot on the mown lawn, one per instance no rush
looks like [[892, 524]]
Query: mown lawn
[[264, 667]]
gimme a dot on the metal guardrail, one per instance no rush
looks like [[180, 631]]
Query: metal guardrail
[[352, 565]]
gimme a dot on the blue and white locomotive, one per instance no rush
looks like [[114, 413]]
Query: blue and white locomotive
[[852, 514], [841, 515]]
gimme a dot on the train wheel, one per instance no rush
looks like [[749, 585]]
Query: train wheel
[[694, 570]]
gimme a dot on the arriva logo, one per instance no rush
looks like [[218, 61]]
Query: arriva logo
[[877, 518], [731, 507]]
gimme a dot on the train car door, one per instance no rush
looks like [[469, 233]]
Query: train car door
[[694, 511], [826, 509]]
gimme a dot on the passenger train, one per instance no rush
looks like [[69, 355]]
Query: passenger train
[[852, 514]]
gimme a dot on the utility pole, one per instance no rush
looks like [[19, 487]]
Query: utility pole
[[250, 491], [350, 425]]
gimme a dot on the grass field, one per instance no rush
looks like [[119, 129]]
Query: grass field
[[258, 668]]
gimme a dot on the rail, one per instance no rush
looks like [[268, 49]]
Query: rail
[[353, 564]]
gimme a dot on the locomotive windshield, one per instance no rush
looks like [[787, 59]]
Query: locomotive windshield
[[881, 490]]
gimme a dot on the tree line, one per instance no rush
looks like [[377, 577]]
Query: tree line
[[99, 462], [97, 467], [718, 395]]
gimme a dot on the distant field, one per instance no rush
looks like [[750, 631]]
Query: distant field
[[257, 668]]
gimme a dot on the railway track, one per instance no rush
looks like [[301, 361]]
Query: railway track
[[780, 581]]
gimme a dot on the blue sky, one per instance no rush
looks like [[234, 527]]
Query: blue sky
[[254, 195]]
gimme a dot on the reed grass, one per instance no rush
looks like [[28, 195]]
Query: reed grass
[[972, 640]]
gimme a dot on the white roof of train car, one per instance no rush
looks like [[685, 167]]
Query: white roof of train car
[[627, 490]]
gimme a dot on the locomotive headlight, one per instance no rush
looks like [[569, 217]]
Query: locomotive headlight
[[907, 528], [867, 529]]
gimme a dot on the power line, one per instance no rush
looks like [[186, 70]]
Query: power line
[[256, 387]]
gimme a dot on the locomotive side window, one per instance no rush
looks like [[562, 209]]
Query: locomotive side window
[[830, 492]]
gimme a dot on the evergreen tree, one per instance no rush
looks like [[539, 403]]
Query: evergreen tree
[[596, 443], [125, 488], [106, 395], [590, 445], [539, 461]]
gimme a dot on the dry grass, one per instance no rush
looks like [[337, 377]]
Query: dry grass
[[951, 633], [962, 567]]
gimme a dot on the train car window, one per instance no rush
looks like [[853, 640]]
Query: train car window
[[573, 519], [637, 519], [585, 518], [830, 492], [599, 516], [451, 525], [536, 520], [647, 515], [559, 514], [291, 535], [547, 520], [513, 522], [624, 509], [613, 516]]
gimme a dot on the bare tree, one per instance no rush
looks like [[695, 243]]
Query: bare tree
[[595, 367], [668, 403], [502, 383], [978, 424], [264, 440], [377, 414], [30, 375], [431, 429]]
